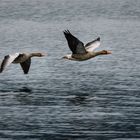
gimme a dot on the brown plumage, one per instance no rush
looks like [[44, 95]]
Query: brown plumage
[[19, 58], [81, 52]]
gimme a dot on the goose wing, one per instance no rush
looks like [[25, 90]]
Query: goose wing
[[91, 46], [75, 45], [26, 65], [8, 59]]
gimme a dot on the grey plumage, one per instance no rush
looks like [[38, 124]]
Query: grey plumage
[[75, 45], [79, 51], [19, 58]]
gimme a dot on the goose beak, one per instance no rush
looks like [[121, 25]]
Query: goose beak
[[44, 54], [109, 52]]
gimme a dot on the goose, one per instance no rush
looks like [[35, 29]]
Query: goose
[[23, 58], [81, 52]]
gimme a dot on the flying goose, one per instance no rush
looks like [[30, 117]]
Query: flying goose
[[81, 52], [23, 58]]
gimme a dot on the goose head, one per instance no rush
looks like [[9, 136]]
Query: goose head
[[105, 52], [38, 54]]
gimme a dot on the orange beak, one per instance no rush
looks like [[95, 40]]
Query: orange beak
[[44, 54], [109, 52]]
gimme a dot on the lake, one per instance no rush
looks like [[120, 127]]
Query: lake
[[97, 99]]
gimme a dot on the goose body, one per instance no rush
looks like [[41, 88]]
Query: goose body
[[19, 58], [81, 52]]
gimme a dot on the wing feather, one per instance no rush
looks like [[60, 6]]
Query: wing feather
[[8, 59], [75, 45], [26, 65], [91, 46]]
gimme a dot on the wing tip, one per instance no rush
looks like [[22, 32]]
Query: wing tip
[[66, 32], [98, 39], [25, 72]]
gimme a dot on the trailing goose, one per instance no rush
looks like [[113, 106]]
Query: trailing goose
[[23, 58], [81, 52]]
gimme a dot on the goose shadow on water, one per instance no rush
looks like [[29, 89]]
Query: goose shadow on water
[[23, 95], [25, 89], [80, 99], [14, 87]]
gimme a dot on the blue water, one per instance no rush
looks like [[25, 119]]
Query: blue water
[[98, 99]]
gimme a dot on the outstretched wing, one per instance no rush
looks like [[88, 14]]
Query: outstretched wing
[[26, 65], [8, 59], [75, 45], [91, 46]]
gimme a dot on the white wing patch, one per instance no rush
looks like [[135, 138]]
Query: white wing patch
[[12, 58], [8, 60], [93, 46]]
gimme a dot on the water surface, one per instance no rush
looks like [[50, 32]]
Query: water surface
[[64, 100]]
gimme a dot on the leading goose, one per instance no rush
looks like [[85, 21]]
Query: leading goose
[[23, 59], [81, 52]]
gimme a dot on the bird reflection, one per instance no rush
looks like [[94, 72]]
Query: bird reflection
[[78, 100], [24, 95], [25, 89]]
